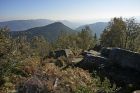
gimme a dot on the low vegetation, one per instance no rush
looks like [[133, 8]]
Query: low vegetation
[[25, 66]]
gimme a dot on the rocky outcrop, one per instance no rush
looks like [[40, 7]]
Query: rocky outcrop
[[105, 52], [120, 66], [91, 61], [125, 58], [122, 57]]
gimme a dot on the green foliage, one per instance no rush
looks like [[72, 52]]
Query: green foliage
[[101, 86], [113, 34], [86, 38], [5, 51], [81, 40], [106, 85], [40, 46], [83, 89], [122, 33]]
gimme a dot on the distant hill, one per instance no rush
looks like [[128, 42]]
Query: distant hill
[[50, 32], [20, 25], [95, 27]]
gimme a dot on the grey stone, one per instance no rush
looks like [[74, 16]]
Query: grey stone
[[120, 66], [91, 62], [125, 58], [59, 53], [105, 52]]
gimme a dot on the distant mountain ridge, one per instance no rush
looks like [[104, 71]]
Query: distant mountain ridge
[[95, 27], [20, 25], [49, 32]]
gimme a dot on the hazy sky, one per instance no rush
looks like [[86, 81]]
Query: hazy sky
[[67, 9]]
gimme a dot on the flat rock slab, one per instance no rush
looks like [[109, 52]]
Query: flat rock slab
[[76, 60], [125, 58]]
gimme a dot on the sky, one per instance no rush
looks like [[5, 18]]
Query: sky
[[74, 10]]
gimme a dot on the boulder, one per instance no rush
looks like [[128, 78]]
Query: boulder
[[122, 57], [120, 66], [105, 52], [125, 58], [95, 53], [59, 53], [90, 52], [91, 62]]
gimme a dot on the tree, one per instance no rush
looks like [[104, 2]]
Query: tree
[[63, 41], [81, 40], [86, 38], [95, 39], [113, 34], [40, 46], [5, 51], [121, 33], [131, 34], [5, 44]]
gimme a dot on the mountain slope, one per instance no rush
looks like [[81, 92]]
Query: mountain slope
[[50, 32], [20, 25], [95, 27]]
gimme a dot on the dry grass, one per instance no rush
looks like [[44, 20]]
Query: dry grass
[[50, 78]]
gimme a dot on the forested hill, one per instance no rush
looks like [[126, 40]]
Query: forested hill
[[49, 32], [97, 28]]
